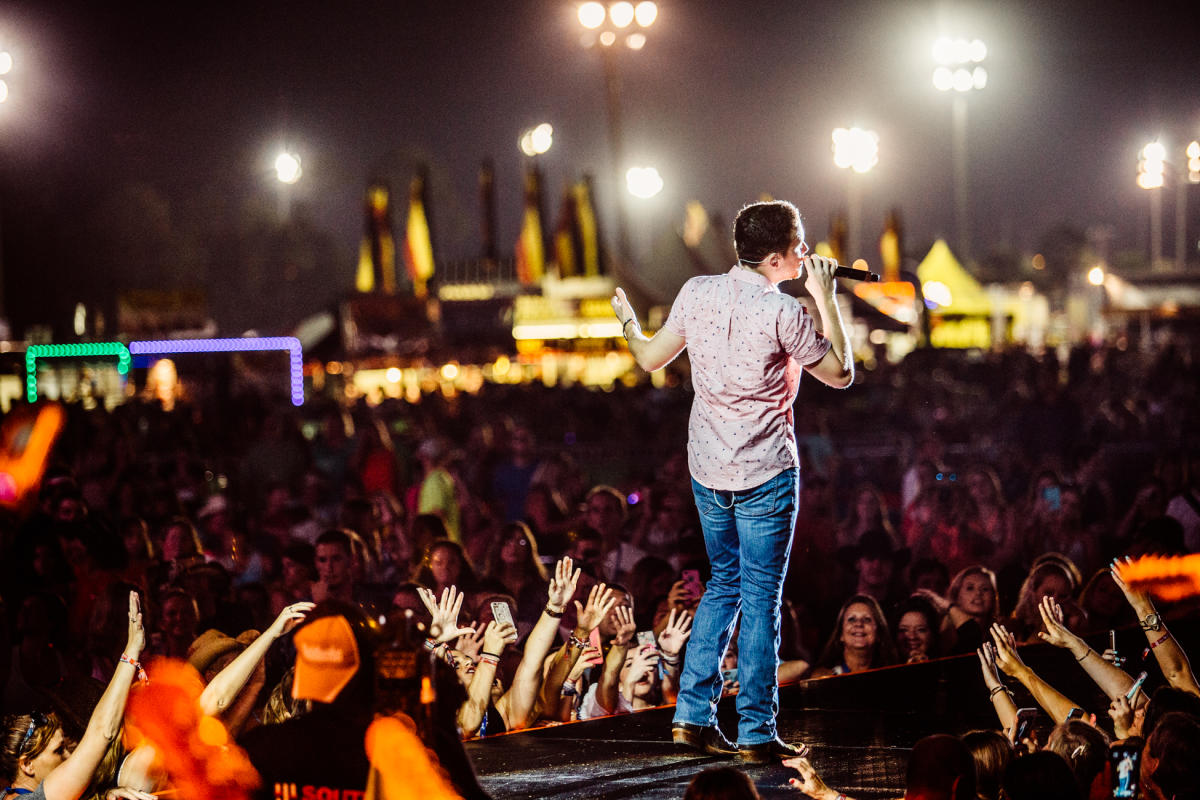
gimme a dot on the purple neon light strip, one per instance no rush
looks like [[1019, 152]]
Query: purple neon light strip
[[289, 343]]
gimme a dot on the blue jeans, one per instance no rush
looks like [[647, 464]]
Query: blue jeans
[[748, 535]]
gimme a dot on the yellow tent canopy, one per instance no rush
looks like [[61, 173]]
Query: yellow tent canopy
[[946, 283]]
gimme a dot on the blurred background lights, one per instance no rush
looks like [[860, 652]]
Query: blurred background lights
[[937, 293], [636, 41], [6, 62], [1096, 276], [645, 13], [1151, 166], [644, 182], [958, 51], [607, 38], [287, 167], [621, 14], [855, 148], [1193, 164], [450, 371], [536, 141], [393, 374], [591, 15]]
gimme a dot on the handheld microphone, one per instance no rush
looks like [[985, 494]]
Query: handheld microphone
[[855, 274]]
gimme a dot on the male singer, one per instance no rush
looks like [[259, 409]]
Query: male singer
[[747, 342]]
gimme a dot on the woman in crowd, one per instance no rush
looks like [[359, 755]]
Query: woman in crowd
[[1052, 575], [445, 565], [917, 631], [991, 752], [513, 560], [860, 640], [34, 757], [968, 609]]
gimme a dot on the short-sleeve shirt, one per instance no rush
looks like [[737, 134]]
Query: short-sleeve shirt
[[748, 343]]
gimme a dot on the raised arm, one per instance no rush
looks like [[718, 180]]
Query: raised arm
[[670, 645], [1170, 656], [1056, 704], [517, 704], [650, 353], [600, 601], [1111, 679], [610, 679], [495, 637], [69, 780], [226, 684], [1002, 701], [836, 369]]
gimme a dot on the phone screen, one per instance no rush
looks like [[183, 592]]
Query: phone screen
[[691, 579], [729, 675], [646, 638], [1126, 761], [1022, 724], [501, 613], [1053, 497]]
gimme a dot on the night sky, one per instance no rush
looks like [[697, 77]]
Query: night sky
[[137, 142]]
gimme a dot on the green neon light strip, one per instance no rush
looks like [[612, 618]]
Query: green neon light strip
[[89, 350]]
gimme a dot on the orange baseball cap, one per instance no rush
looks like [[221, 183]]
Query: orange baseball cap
[[326, 659]]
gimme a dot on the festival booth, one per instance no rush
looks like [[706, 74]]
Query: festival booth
[[958, 308]]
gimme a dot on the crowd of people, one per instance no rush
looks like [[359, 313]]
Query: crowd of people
[[548, 542]]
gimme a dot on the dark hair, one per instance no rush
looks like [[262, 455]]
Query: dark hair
[[531, 565], [336, 536], [941, 765], [721, 783], [1085, 749], [1176, 744], [1165, 700], [884, 653], [923, 607], [1038, 775], [761, 229], [991, 752]]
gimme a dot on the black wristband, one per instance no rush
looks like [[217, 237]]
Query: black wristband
[[549, 613], [625, 325], [493, 655]]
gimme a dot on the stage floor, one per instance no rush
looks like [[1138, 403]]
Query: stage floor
[[860, 729]]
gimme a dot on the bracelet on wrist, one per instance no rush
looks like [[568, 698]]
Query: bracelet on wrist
[[995, 691], [550, 611], [1085, 655], [137, 667], [576, 642], [625, 325], [1160, 640], [488, 658], [431, 645]]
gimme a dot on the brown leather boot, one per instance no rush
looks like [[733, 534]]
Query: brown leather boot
[[705, 738]]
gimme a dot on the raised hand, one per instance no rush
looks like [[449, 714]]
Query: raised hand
[[987, 664], [1122, 716], [444, 611], [1056, 632], [289, 618], [590, 657], [645, 660], [1140, 601], [470, 643], [135, 641], [497, 636], [1006, 652], [600, 601], [625, 625], [676, 634], [562, 585]]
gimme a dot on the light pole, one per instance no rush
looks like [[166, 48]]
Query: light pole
[[960, 69], [288, 171], [1152, 176], [622, 23], [856, 150]]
